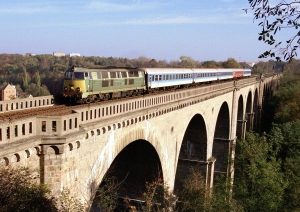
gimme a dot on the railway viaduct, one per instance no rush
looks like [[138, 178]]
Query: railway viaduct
[[137, 139]]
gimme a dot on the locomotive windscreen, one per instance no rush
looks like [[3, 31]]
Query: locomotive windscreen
[[74, 75]]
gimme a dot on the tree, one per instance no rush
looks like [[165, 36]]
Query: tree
[[25, 78], [231, 63], [194, 193], [20, 193], [188, 62], [37, 79], [106, 198], [273, 18], [158, 198], [259, 181]]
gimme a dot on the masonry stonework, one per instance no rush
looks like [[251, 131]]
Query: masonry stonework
[[80, 152]]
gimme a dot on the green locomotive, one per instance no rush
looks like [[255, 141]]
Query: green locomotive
[[82, 85]]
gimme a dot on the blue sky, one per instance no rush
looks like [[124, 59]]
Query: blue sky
[[160, 29]]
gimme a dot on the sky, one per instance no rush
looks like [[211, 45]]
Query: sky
[[159, 29]]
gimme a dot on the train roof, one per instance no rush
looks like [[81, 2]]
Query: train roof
[[159, 70], [190, 70], [121, 69]]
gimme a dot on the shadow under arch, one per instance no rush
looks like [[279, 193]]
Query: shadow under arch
[[193, 151], [256, 111], [249, 113], [240, 118], [137, 164], [221, 145]]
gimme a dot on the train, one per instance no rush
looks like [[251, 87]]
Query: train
[[86, 85]]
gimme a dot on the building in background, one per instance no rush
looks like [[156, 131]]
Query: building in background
[[74, 55], [8, 92], [59, 54]]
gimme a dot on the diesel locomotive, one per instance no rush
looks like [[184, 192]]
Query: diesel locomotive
[[85, 85]]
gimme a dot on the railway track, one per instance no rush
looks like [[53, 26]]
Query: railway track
[[51, 110]]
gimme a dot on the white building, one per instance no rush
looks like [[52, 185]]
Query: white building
[[59, 54], [74, 55]]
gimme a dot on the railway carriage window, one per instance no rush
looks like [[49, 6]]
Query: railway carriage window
[[167, 77], [160, 77], [133, 74], [104, 74], [156, 77], [150, 78], [124, 74], [113, 75]]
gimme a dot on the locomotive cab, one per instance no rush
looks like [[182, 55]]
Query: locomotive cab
[[74, 84]]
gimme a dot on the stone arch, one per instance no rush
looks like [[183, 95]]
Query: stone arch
[[249, 111], [16, 157], [256, 110], [221, 144], [77, 144], [137, 164], [240, 118], [27, 153], [70, 146], [193, 150], [53, 150], [118, 144], [37, 150], [6, 161]]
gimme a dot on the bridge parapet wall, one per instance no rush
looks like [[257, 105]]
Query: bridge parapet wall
[[26, 103]]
